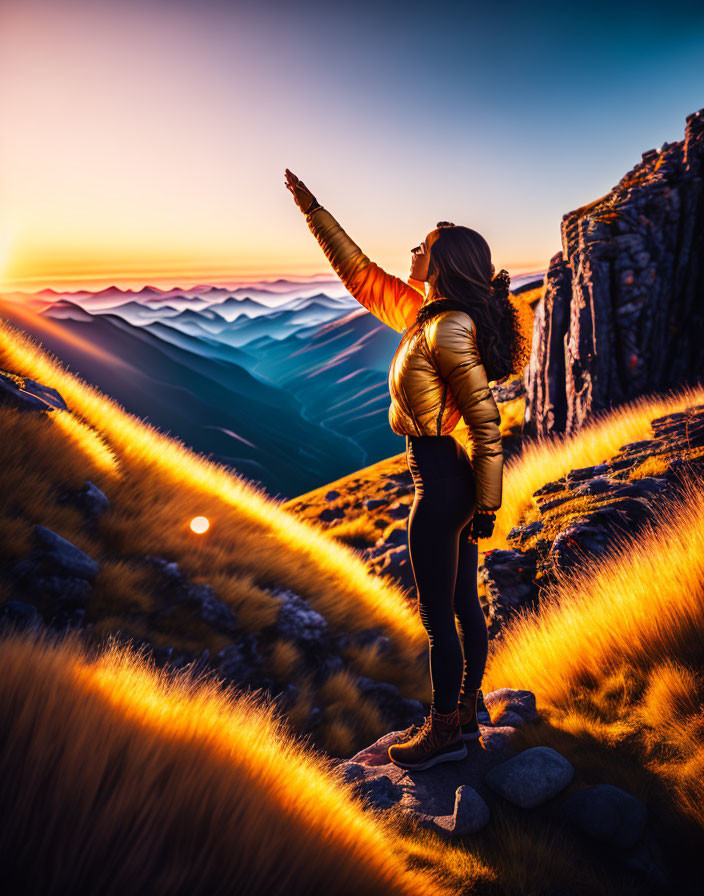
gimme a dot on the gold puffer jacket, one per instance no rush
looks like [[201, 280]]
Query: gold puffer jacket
[[436, 376]]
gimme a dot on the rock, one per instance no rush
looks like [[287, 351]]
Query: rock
[[397, 537], [513, 390], [89, 499], [233, 663], [57, 569], [381, 792], [522, 703], [176, 590], [211, 610], [351, 771], [606, 813], [399, 510], [532, 777], [519, 534], [27, 395], [498, 739], [297, 620], [396, 563], [395, 708], [327, 664], [20, 615], [470, 815], [509, 718], [63, 555], [648, 858], [620, 315], [374, 503], [509, 577], [594, 534], [65, 590], [432, 793]]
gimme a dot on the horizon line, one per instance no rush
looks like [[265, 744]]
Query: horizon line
[[89, 283]]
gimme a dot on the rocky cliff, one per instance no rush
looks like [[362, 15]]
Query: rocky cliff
[[623, 309]]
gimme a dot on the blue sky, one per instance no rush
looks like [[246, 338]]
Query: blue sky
[[149, 138]]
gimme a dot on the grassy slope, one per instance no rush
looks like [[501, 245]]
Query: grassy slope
[[615, 656], [156, 485], [116, 779]]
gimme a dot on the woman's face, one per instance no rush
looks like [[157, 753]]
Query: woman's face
[[420, 257]]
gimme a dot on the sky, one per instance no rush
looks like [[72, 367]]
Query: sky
[[145, 142]]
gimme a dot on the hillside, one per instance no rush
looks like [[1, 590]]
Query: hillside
[[264, 583], [262, 598]]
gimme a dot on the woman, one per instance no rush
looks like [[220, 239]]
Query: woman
[[439, 374]]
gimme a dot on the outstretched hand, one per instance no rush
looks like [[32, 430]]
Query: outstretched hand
[[303, 197]]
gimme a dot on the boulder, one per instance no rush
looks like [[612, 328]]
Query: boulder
[[65, 557], [297, 620], [177, 590], [606, 813], [211, 609], [509, 578], [329, 514], [374, 503], [57, 569], [27, 395], [531, 777], [470, 814], [89, 499], [498, 738], [520, 703], [381, 792]]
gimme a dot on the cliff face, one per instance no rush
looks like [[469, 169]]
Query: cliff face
[[623, 310]]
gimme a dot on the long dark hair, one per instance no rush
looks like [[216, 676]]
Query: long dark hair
[[461, 272]]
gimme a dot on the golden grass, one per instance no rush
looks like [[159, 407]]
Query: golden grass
[[358, 533], [548, 459], [156, 485], [615, 656], [116, 778], [174, 484]]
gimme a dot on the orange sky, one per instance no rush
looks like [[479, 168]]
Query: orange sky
[[145, 142]]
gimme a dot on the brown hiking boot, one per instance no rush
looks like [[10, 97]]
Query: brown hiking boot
[[469, 723], [439, 739], [408, 733]]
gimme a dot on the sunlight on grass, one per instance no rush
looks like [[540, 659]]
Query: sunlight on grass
[[110, 750], [301, 548], [549, 459], [616, 651]]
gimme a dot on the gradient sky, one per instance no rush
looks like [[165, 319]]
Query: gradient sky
[[145, 142]]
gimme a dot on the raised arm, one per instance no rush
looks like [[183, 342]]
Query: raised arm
[[452, 340], [391, 299]]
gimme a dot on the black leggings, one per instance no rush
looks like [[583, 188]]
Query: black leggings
[[444, 565]]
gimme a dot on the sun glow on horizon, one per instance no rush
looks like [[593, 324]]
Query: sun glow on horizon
[[165, 279]]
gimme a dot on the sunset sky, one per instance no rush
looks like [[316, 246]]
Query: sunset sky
[[145, 142]]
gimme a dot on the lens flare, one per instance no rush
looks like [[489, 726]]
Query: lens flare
[[200, 524]]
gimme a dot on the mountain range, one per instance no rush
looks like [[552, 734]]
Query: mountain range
[[284, 380]]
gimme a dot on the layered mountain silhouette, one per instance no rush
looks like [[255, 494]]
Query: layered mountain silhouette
[[283, 381]]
